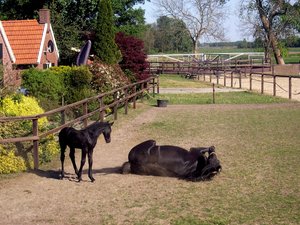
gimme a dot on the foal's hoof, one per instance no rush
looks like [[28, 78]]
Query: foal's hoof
[[92, 179]]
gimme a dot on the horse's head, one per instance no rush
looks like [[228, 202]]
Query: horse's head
[[107, 131], [212, 168]]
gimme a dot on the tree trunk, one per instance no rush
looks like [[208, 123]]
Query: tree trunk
[[272, 39], [277, 53], [195, 46]]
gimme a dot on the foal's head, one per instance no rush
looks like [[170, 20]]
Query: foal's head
[[107, 131]]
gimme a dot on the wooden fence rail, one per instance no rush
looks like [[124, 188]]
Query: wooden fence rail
[[227, 70], [123, 95]]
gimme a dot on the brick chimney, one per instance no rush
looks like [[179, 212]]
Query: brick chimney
[[44, 16]]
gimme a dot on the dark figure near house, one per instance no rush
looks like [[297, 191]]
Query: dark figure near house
[[86, 140], [147, 158]]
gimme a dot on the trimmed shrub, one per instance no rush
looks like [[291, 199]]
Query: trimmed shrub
[[51, 86], [78, 84], [45, 85]]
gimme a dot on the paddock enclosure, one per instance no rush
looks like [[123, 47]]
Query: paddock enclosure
[[257, 145]]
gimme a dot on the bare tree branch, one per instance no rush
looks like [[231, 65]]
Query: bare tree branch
[[203, 18]]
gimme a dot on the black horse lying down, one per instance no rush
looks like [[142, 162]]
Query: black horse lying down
[[147, 158]]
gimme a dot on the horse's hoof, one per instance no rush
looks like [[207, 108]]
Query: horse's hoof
[[92, 179], [211, 149]]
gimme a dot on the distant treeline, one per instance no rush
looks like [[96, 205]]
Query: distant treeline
[[291, 43], [169, 35]]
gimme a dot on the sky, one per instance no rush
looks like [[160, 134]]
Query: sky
[[231, 24]]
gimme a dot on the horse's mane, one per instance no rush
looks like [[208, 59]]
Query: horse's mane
[[96, 125]]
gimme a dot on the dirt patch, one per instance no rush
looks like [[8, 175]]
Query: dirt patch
[[41, 198]]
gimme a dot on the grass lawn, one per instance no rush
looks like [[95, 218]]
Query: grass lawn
[[259, 151], [244, 97]]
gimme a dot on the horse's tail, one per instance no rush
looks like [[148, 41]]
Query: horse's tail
[[126, 168]]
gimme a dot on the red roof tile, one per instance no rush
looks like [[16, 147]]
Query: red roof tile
[[25, 38]]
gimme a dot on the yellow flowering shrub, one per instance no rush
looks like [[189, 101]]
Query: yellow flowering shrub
[[20, 105], [11, 155], [10, 163], [48, 148]]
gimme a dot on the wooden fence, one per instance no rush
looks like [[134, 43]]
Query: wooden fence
[[221, 72], [210, 67], [121, 97]]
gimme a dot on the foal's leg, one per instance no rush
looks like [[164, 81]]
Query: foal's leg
[[62, 158], [83, 157], [90, 156], [72, 157]]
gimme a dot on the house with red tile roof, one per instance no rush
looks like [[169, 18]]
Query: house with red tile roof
[[25, 44]]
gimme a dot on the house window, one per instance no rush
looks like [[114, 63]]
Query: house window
[[47, 65], [50, 46]]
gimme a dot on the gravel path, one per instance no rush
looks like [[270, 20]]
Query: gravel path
[[196, 90]]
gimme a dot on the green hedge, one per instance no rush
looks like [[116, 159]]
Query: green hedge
[[57, 84]]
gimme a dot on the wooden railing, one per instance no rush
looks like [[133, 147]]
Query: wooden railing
[[121, 98], [209, 67], [222, 71]]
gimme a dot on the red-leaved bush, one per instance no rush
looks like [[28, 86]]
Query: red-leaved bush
[[133, 56]]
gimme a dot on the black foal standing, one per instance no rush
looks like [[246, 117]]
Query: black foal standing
[[86, 140]]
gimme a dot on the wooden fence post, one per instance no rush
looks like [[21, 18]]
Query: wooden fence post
[[63, 117], [85, 112], [262, 83], [126, 101], [134, 97], [35, 133], [250, 82], [290, 87], [116, 106], [153, 87], [274, 85], [214, 93], [101, 115], [157, 83]]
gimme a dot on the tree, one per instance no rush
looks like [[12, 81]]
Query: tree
[[133, 57], [172, 35], [128, 19], [67, 32], [104, 45], [203, 18], [21, 9], [270, 21]]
